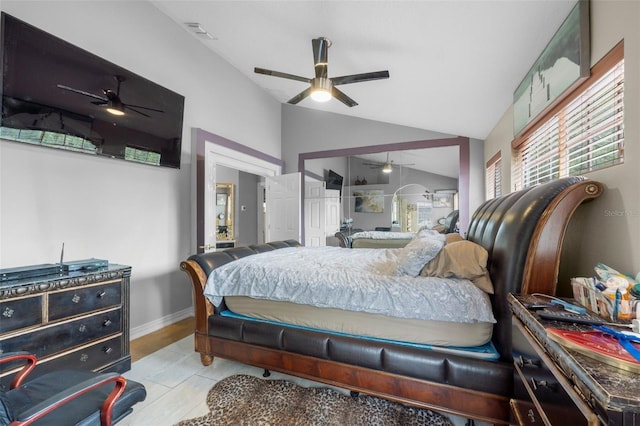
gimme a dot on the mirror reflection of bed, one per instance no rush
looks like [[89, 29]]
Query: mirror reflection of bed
[[421, 190]]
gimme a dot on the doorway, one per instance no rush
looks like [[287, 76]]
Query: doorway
[[210, 152]]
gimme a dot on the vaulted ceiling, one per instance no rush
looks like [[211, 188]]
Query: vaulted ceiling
[[453, 64]]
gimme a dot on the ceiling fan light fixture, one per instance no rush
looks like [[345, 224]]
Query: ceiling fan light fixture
[[387, 168], [321, 89], [115, 108]]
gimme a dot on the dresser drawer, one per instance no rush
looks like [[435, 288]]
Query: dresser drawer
[[79, 300], [19, 313], [59, 337], [93, 357]]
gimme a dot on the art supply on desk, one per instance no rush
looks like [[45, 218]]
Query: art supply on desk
[[569, 306], [571, 317], [598, 345]]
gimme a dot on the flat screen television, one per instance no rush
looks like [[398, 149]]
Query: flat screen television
[[57, 95], [334, 180]]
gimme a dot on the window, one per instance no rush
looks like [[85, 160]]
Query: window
[[493, 177], [142, 155], [47, 138], [585, 132]]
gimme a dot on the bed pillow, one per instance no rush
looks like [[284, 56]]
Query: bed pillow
[[461, 259], [422, 248], [453, 237]]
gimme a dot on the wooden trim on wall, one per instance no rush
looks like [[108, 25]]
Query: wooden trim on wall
[[497, 156]]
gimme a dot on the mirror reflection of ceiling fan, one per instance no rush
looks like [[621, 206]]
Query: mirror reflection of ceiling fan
[[387, 167], [111, 100], [322, 87]]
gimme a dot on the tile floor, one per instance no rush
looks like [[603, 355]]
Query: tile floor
[[177, 384]]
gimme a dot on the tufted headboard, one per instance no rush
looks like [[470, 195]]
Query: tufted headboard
[[523, 232]]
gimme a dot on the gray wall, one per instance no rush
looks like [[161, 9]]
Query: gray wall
[[596, 233], [127, 213], [247, 219]]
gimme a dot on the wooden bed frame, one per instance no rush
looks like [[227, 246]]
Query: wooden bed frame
[[523, 233]]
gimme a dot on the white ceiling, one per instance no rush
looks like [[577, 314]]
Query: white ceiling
[[453, 64]]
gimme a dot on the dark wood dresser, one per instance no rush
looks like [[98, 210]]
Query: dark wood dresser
[[76, 320], [559, 386]]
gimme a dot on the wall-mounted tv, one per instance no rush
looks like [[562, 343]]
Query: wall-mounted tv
[[57, 95], [334, 180]]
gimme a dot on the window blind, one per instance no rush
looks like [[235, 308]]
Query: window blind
[[585, 134], [493, 177]]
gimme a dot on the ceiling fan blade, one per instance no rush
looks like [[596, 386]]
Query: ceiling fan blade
[[135, 110], [82, 92], [357, 78], [100, 102], [281, 75], [300, 96], [321, 56], [143, 107], [339, 95]]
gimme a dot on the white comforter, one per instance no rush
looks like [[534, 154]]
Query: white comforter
[[356, 280], [383, 235]]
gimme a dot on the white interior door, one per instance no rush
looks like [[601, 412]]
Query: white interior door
[[283, 206], [333, 210], [314, 213]]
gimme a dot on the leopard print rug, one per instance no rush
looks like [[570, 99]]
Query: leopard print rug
[[249, 400]]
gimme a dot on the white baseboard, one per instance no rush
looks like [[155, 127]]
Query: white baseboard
[[156, 325]]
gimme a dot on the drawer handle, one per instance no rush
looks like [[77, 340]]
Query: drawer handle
[[75, 298], [107, 350], [535, 384], [106, 323], [102, 294], [84, 358], [8, 312], [522, 361], [82, 328]]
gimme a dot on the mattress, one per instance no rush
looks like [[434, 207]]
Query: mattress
[[440, 333], [377, 243], [380, 239]]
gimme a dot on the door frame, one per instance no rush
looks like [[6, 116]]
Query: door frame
[[229, 154]]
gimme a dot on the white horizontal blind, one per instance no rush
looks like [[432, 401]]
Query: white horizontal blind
[[586, 134], [493, 178]]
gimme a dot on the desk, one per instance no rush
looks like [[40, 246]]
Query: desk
[[566, 387]]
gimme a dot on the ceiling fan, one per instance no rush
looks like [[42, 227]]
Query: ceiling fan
[[387, 167], [322, 87], [111, 100]]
